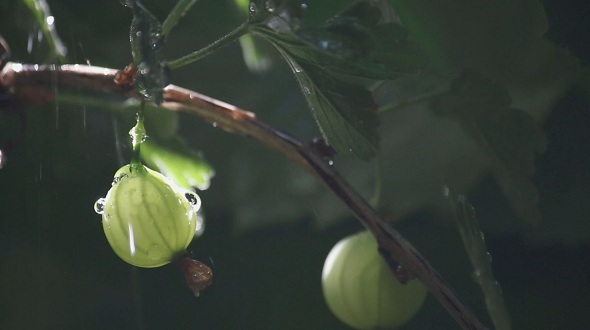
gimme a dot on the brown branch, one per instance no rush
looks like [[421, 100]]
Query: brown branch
[[392, 245]]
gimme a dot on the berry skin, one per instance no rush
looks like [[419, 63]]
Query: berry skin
[[147, 220], [360, 289]]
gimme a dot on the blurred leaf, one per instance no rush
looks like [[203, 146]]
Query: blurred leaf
[[160, 123], [256, 57], [509, 136], [176, 161], [46, 21], [147, 41], [504, 40], [355, 44]]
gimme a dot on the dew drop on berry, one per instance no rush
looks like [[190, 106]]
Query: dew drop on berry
[[99, 206], [193, 199], [117, 179]]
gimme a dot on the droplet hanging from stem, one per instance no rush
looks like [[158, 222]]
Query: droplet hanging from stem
[[138, 136]]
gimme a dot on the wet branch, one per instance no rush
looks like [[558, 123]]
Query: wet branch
[[22, 80]]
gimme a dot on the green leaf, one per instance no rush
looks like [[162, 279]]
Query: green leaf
[[40, 9], [343, 111], [330, 60], [509, 136], [175, 160]]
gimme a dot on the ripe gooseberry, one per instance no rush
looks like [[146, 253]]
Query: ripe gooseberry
[[147, 220], [360, 289]]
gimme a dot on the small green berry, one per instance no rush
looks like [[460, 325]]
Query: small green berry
[[147, 220], [360, 289]]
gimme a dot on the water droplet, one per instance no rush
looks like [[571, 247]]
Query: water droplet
[[156, 40], [193, 199], [303, 5], [139, 34], [214, 124], [446, 191], [253, 8], [306, 90], [154, 252], [331, 162], [118, 179], [99, 205], [50, 20], [271, 6], [137, 134]]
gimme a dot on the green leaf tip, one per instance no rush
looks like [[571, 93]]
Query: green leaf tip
[[333, 61]]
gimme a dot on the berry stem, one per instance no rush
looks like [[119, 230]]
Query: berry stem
[[138, 135]]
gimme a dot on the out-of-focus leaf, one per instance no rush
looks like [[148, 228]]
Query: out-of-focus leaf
[[504, 40], [147, 41], [176, 161], [509, 136], [326, 59], [257, 59], [46, 21], [256, 56]]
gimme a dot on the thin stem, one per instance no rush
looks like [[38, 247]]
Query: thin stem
[[234, 120], [138, 135], [46, 21], [220, 43], [182, 6]]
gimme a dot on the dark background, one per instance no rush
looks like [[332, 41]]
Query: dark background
[[269, 225]]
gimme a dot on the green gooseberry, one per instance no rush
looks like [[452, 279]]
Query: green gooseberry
[[147, 220], [360, 289]]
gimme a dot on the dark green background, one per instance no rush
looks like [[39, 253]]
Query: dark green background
[[265, 243]]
